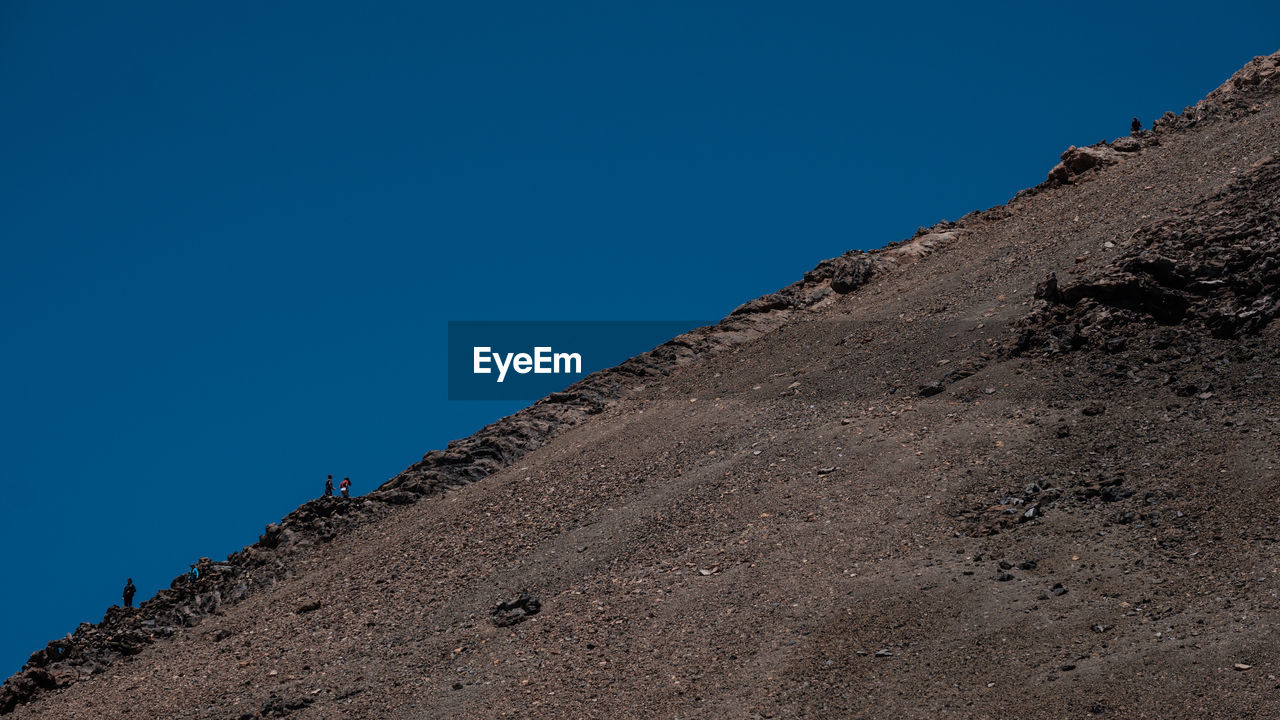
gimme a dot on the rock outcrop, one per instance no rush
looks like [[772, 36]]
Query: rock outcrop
[[1215, 269]]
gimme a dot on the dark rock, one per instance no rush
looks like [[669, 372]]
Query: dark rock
[[397, 497], [1078, 160], [767, 303], [929, 389], [309, 607], [38, 659], [515, 611], [1127, 145], [1047, 289], [277, 707], [852, 271], [270, 538], [42, 678], [1114, 493]]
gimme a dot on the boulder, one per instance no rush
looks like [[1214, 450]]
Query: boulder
[[506, 614], [1126, 144], [1078, 160], [845, 273]]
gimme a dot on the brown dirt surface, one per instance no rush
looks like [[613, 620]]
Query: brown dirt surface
[[1020, 465]]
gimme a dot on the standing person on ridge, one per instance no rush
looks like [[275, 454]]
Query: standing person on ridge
[[129, 590], [328, 487], [345, 486]]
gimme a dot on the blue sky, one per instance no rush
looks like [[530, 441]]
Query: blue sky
[[233, 233]]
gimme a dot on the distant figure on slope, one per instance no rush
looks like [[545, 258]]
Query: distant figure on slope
[[129, 590], [345, 486], [1135, 127], [328, 487]]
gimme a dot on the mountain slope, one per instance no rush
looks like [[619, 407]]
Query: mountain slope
[[1020, 464]]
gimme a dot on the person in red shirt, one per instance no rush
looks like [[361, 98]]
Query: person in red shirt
[[345, 487]]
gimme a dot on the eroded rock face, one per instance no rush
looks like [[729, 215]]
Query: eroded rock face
[[1238, 96], [1257, 74], [847, 272], [1215, 269], [1079, 160], [919, 246]]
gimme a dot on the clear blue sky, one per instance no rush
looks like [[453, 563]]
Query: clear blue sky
[[231, 233]]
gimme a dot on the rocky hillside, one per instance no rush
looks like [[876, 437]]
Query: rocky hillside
[[1021, 464]]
